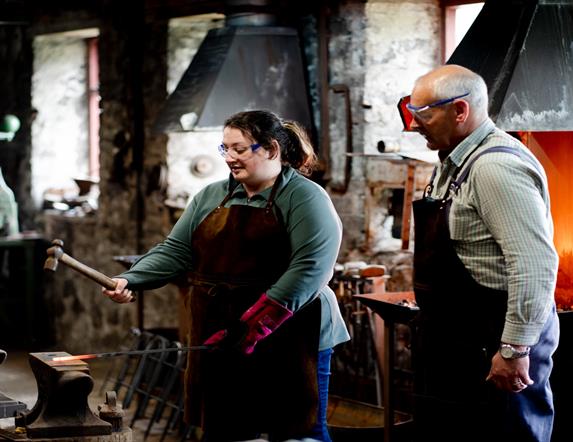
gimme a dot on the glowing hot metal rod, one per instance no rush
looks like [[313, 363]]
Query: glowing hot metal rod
[[129, 353]]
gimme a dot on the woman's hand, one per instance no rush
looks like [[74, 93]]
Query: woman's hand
[[121, 295]]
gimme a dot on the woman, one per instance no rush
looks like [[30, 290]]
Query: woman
[[259, 249]]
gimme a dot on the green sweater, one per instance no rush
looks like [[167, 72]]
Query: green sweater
[[314, 229]]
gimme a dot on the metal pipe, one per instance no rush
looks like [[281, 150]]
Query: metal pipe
[[345, 91], [249, 13]]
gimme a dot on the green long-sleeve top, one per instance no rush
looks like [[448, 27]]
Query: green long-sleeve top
[[314, 230]]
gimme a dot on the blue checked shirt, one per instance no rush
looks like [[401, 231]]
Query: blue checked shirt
[[502, 229]]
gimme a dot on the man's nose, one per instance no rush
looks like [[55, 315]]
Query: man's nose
[[414, 125]]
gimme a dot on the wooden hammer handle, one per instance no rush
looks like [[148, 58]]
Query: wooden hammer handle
[[96, 276]]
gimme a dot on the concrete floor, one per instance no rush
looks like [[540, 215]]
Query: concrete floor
[[18, 383]]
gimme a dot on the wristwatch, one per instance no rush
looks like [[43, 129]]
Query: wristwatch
[[508, 351]]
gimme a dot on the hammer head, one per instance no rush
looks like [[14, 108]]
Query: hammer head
[[54, 254]]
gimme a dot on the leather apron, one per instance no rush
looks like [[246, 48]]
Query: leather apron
[[238, 253], [457, 332]]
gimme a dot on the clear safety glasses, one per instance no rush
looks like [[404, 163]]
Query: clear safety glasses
[[238, 152], [408, 112]]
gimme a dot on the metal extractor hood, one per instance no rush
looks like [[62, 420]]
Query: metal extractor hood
[[524, 51], [239, 68]]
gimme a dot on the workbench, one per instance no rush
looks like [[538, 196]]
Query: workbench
[[387, 306]]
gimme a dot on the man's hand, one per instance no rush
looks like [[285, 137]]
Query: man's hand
[[510, 374], [121, 295]]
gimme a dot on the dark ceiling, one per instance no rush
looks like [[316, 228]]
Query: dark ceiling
[[18, 12]]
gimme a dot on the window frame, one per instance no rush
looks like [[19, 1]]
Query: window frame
[[449, 24]]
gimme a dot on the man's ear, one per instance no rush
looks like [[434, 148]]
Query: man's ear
[[462, 110]]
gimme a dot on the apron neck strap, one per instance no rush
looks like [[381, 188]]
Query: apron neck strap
[[273, 193], [430, 187], [459, 179], [233, 185]]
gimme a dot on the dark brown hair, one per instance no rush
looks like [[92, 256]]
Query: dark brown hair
[[264, 126]]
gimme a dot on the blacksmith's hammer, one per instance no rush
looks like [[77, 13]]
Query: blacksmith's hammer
[[56, 254]]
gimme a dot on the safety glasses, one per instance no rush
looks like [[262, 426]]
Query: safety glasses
[[408, 112], [238, 152]]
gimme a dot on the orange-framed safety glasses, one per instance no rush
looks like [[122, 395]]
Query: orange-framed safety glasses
[[408, 112]]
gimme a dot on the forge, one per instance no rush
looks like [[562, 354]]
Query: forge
[[553, 149]]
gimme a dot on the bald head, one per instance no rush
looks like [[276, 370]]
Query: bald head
[[452, 80]]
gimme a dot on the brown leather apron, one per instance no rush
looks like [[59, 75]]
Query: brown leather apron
[[238, 253]]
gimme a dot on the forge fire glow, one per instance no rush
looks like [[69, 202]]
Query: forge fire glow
[[553, 149]]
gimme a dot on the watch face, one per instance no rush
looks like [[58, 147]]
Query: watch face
[[509, 352], [506, 352]]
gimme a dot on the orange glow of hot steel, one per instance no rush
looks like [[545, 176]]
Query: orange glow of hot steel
[[132, 353], [73, 358]]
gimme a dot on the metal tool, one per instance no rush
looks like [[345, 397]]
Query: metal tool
[[130, 353], [112, 412], [56, 254]]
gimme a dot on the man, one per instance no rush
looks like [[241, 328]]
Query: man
[[485, 270]]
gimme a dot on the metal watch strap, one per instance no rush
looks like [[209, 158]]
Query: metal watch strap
[[508, 351]]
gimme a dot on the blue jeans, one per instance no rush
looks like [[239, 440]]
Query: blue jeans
[[528, 416], [320, 430]]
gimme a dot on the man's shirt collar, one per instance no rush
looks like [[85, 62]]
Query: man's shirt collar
[[468, 144]]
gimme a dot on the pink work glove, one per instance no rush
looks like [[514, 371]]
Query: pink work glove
[[259, 321]]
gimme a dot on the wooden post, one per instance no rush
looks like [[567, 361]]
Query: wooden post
[[407, 207]]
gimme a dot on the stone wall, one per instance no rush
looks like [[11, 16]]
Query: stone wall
[[402, 42]]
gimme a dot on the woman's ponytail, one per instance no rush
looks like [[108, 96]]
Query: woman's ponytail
[[298, 150]]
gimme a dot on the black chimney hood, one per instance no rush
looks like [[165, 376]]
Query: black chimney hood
[[524, 51], [243, 66]]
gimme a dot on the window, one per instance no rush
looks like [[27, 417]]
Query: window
[[65, 130], [458, 17]]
